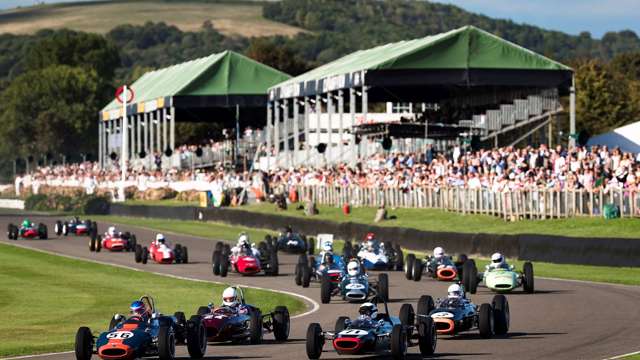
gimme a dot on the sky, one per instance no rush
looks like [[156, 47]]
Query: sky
[[570, 16]]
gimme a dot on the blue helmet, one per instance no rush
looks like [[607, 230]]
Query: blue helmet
[[138, 308]]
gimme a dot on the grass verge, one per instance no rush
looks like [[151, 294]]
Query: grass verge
[[42, 311]]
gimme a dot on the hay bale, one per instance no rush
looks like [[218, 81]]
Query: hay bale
[[160, 194], [189, 195]]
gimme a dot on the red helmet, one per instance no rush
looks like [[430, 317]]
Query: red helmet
[[371, 236]]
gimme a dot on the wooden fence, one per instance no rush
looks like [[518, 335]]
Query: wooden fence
[[510, 205]]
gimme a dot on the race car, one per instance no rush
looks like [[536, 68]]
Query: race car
[[136, 337], [224, 324], [355, 285], [27, 230], [315, 267], [75, 226], [117, 242], [376, 333], [500, 279], [161, 253], [291, 242], [244, 263], [454, 315], [376, 255], [440, 268]]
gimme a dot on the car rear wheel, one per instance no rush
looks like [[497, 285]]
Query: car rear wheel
[[416, 273], [215, 261], [383, 287], [425, 305], [43, 233], [314, 341], [65, 228], [166, 343], [137, 250], [427, 336], [470, 276], [281, 323], [501, 317], [298, 274], [133, 241], [485, 321], [528, 277], [84, 344], [92, 244], [306, 276], [311, 245], [398, 342], [196, 337], [408, 266], [181, 322], [145, 255], [255, 328], [399, 258], [325, 290], [407, 315], [177, 253], [185, 255], [99, 243], [224, 266], [341, 324], [57, 228], [273, 263]]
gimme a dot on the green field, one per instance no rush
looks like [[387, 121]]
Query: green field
[[243, 18], [219, 231], [45, 298]]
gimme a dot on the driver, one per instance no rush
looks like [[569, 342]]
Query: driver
[[160, 240], [455, 292], [371, 243], [497, 262], [288, 233], [368, 311], [27, 224], [438, 253], [244, 246], [139, 310], [75, 220], [111, 231], [230, 301], [327, 247], [353, 268]]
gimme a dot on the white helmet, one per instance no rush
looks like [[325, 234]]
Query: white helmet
[[497, 259], [243, 239], [112, 230], [353, 268], [455, 291], [327, 246], [230, 297], [438, 252], [160, 238], [368, 309]]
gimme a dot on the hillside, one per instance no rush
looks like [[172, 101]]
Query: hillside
[[230, 18]]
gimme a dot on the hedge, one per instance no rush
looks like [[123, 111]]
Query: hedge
[[86, 204]]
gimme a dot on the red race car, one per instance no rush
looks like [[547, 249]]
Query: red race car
[[162, 253], [116, 242], [245, 261], [27, 231]]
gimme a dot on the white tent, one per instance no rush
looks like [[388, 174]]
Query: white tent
[[627, 138]]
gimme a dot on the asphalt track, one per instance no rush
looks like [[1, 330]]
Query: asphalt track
[[562, 320]]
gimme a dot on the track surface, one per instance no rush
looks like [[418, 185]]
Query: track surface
[[562, 320]]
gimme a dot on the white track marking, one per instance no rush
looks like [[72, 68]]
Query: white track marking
[[623, 355], [37, 355]]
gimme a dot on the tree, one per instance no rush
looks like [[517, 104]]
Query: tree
[[277, 56]]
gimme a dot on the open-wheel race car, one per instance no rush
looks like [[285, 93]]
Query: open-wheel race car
[[315, 267], [355, 285], [75, 226], [151, 334], [376, 333], [119, 241], [244, 323], [440, 267], [453, 315], [501, 279], [27, 230], [245, 260], [291, 242], [161, 252], [376, 255]]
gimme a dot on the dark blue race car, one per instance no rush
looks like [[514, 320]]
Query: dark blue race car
[[291, 242], [314, 268]]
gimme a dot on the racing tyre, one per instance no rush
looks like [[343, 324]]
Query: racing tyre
[[224, 266], [94, 228], [528, 277], [298, 274], [255, 328], [399, 258], [217, 255], [181, 322], [485, 321], [57, 228], [408, 266], [302, 259], [145, 255], [177, 253], [425, 305], [137, 250], [500, 314], [325, 290], [262, 247], [133, 241], [98, 243], [341, 324], [281, 323], [383, 287], [203, 310], [43, 233], [65, 228], [84, 344], [273, 264], [166, 343], [315, 341], [416, 272], [428, 338], [92, 244], [311, 245], [219, 246], [347, 250], [185, 255], [407, 315], [196, 337], [470, 276], [398, 342], [306, 276]]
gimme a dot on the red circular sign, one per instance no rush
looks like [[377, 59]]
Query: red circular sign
[[129, 94]]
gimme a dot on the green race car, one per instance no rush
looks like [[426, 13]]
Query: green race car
[[500, 279]]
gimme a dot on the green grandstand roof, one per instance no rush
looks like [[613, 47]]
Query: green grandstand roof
[[460, 49]]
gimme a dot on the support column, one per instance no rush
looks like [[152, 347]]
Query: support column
[[165, 143], [286, 127], [159, 130], [276, 131], [365, 110], [572, 113], [307, 146], [146, 131], [296, 132], [151, 133], [268, 133], [352, 114], [138, 144], [132, 136], [330, 127], [318, 127], [340, 125], [100, 142]]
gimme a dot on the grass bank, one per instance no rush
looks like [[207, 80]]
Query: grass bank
[[45, 298]]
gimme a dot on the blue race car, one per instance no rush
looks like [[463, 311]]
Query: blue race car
[[291, 242], [136, 337], [314, 268], [355, 285], [376, 255]]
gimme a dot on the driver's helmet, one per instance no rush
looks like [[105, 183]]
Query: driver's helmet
[[76, 219], [353, 268], [370, 241], [138, 308], [328, 258], [26, 223], [111, 231], [230, 297], [438, 252], [455, 291], [497, 260], [243, 240], [327, 246], [160, 239], [368, 310]]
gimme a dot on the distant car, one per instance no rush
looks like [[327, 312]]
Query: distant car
[[161, 253], [133, 338], [385, 256], [456, 315], [315, 267], [292, 243], [504, 279], [443, 268], [76, 226], [224, 324], [119, 242], [354, 288], [244, 264], [385, 335], [34, 232]]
